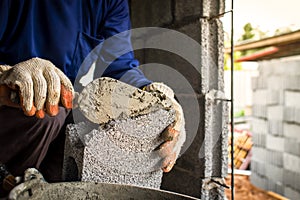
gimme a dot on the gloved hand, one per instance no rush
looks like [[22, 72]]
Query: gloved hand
[[174, 135], [5, 92], [37, 81]]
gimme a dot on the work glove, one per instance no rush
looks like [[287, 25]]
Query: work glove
[[41, 86], [5, 92], [174, 135]]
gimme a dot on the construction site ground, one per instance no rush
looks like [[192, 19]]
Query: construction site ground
[[244, 190]]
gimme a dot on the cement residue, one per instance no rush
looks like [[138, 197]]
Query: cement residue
[[140, 134], [107, 99]]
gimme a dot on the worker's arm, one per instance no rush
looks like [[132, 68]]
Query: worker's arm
[[116, 52]]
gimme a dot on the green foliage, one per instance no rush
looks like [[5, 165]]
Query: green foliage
[[248, 32], [227, 65], [240, 113]]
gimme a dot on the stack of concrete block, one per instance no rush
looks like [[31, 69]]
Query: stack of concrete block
[[206, 118], [275, 162]]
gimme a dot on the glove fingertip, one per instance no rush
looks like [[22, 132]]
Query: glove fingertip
[[66, 97], [169, 134], [30, 112], [40, 114], [52, 110], [169, 163]]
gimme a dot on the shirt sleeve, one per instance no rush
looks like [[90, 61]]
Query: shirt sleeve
[[116, 58]]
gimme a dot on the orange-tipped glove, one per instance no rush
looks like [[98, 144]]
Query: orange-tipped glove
[[40, 84], [174, 135]]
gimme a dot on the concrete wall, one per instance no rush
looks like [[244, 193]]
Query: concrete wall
[[206, 121], [276, 127]]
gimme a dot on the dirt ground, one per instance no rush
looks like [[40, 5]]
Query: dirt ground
[[244, 190]]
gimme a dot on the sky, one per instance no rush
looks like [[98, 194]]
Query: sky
[[267, 15]]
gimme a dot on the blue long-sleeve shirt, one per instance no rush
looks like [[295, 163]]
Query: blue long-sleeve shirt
[[65, 32]]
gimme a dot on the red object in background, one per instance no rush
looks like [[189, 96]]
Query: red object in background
[[258, 54]]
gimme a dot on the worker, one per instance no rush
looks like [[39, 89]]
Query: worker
[[42, 46]]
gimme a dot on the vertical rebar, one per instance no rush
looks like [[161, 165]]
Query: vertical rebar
[[231, 104]]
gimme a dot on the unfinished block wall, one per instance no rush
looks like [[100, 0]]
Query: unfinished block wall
[[275, 162], [206, 121]]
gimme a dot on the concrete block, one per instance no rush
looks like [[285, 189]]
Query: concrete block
[[289, 114], [297, 115], [259, 181], [183, 9], [212, 57], [118, 147], [259, 140], [259, 154], [266, 67], [291, 179], [267, 97], [274, 173], [192, 30], [291, 194], [259, 126], [260, 97], [291, 131], [275, 127], [291, 162], [287, 67], [260, 111], [272, 97], [277, 82], [292, 99], [216, 130], [258, 167], [292, 146], [179, 59], [259, 82], [277, 187], [254, 83], [275, 97], [120, 152], [142, 10], [275, 112], [275, 158], [275, 143], [170, 66], [293, 82]]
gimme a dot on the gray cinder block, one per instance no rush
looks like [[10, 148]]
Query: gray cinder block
[[260, 111], [292, 146], [121, 146], [121, 152], [275, 143], [259, 126], [290, 193]]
